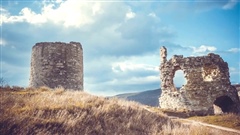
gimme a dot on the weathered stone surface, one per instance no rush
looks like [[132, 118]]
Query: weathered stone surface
[[207, 84], [238, 89], [56, 64]]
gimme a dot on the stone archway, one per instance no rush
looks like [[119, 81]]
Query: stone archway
[[222, 104]]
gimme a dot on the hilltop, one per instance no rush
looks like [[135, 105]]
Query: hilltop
[[59, 111], [148, 97], [47, 111]]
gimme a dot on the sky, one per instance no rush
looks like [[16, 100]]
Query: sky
[[120, 39]]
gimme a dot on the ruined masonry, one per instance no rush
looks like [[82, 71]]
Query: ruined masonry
[[207, 90], [55, 64]]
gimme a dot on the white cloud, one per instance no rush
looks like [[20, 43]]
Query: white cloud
[[2, 9], [149, 62], [72, 12], [152, 15], [122, 74], [59, 1], [31, 17], [234, 50], [203, 49], [230, 4], [130, 15], [133, 80], [127, 85], [2, 42], [96, 9], [25, 14], [128, 66], [69, 13], [139, 80]]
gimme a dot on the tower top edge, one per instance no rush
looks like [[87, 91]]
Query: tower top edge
[[57, 43]]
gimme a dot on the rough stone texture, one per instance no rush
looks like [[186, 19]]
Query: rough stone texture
[[237, 86], [207, 87], [56, 64]]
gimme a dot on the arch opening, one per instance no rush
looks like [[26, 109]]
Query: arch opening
[[223, 104], [179, 80]]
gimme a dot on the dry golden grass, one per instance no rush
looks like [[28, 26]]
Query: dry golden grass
[[47, 111], [186, 128], [226, 120]]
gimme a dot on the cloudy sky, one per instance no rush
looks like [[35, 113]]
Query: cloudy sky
[[121, 39]]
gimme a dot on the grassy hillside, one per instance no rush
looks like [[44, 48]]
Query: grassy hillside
[[150, 97], [46, 111], [226, 120]]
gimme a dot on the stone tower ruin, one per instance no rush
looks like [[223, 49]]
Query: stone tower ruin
[[208, 89], [57, 64]]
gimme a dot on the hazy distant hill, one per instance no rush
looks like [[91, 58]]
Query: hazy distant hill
[[149, 97]]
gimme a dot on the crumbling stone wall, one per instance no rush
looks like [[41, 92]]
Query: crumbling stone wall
[[207, 89], [56, 64]]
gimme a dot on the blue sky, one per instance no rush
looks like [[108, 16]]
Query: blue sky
[[121, 39]]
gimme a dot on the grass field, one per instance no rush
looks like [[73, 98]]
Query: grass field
[[225, 120], [58, 111]]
